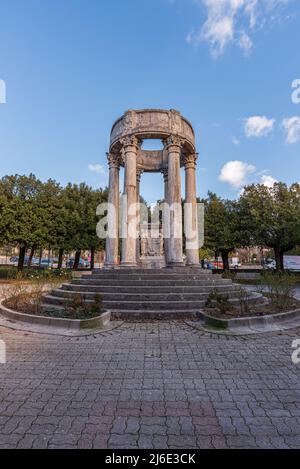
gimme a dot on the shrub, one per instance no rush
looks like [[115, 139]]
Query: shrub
[[280, 288], [244, 303], [220, 301], [78, 308]]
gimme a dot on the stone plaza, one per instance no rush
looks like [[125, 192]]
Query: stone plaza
[[153, 385]]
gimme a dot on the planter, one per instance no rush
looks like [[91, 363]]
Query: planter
[[99, 322], [250, 321]]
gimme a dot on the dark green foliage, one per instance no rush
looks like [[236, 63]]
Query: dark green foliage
[[271, 217], [39, 215], [219, 301]]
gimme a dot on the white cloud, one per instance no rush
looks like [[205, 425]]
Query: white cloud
[[292, 128], [258, 126], [236, 173], [245, 42], [268, 181], [235, 141], [231, 21], [97, 168]]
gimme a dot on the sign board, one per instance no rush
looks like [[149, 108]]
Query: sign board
[[291, 262]]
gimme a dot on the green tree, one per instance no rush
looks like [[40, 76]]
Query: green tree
[[22, 224], [271, 217], [221, 233], [80, 203]]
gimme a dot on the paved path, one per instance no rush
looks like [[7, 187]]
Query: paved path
[[155, 385]]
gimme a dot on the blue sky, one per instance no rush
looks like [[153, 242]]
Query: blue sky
[[71, 67]]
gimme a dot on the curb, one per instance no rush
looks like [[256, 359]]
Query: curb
[[99, 322], [279, 322]]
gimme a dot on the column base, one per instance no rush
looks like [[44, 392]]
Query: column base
[[109, 265], [170, 265], [194, 266], [128, 265]]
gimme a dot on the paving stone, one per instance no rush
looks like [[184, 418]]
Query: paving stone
[[149, 385]]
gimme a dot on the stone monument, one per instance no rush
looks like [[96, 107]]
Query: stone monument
[[126, 152]]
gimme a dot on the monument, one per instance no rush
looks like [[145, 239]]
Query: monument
[[140, 289], [126, 152]]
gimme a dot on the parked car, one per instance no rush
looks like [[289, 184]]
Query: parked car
[[35, 261], [83, 263], [15, 260], [46, 263], [270, 264]]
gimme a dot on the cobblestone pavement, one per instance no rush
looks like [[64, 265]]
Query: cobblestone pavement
[[155, 385]]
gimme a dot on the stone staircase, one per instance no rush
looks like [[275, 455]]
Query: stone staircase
[[137, 294]]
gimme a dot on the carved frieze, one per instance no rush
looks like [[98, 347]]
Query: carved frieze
[[153, 123]]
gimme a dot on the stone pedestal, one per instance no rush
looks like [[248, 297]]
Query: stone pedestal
[[152, 247]]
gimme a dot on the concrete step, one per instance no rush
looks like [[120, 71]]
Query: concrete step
[[134, 305], [115, 305], [125, 297], [134, 315], [165, 271], [150, 282], [113, 289], [140, 277]]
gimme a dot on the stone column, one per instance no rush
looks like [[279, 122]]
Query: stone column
[[130, 145], [112, 241], [165, 215], [173, 147], [190, 212], [138, 215]]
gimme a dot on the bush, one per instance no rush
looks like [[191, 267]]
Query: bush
[[219, 301], [280, 288], [244, 303], [78, 308], [5, 272], [29, 297], [12, 273]]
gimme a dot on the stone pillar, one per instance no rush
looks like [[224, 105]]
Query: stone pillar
[[166, 213], [112, 241], [130, 145], [138, 215], [173, 147], [190, 212]]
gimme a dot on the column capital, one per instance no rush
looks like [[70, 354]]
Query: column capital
[[131, 141], [113, 160], [173, 141], [190, 161]]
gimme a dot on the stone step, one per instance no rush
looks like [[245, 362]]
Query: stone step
[[150, 282], [134, 305], [157, 305], [134, 315], [112, 289], [141, 297], [138, 277], [165, 271]]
